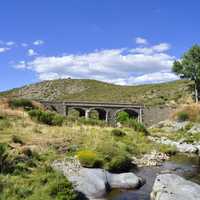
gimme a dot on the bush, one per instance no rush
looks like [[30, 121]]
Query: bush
[[121, 163], [89, 159], [5, 163], [17, 139], [21, 103], [58, 120], [182, 116], [118, 133], [49, 118], [122, 117], [137, 126], [61, 189]]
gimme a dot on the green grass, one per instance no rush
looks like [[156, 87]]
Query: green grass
[[31, 147], [91, 90]]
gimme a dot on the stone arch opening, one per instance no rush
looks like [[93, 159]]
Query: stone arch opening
[[98, 113], [76, 112], [131, 113]]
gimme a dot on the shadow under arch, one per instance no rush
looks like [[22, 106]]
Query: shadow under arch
[[80, 111], [101, 113], [131, 112]]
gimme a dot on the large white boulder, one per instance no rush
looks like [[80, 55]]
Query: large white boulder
[[94, 183], [174, 187]]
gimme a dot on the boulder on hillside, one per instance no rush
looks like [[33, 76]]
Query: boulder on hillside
[[174, 187]]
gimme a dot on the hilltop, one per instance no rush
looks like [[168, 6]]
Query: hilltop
[[92, 90]]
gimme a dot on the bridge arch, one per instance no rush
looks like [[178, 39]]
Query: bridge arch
[[131, 112], [80, 111], [102, 113]]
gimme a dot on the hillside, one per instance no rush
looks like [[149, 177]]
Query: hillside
[[92, 90]]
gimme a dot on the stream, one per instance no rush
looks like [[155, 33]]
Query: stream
[[183, 165]]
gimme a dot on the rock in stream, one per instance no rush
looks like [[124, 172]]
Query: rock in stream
[[174, 187], [94, 183]]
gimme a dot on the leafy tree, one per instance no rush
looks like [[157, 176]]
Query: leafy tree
[[189, 68], [122, 117]]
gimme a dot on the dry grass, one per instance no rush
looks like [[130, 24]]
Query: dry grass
[[193, 111], [5, 110]]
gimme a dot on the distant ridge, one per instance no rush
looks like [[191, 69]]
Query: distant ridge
[[97, 91]]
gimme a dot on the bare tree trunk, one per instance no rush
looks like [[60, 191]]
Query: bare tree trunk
[[196, 93]]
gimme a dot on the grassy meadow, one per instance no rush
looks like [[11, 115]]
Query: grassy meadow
[[28, 148]]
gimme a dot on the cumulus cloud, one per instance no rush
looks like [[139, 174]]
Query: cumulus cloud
[[4, 49], [140, 40], [120, 66], [38, 42], [10, 43], [32, 52]]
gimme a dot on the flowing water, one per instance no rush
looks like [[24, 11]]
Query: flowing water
[[185, 166]]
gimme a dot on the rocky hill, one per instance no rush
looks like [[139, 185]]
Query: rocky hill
[[92, 90]]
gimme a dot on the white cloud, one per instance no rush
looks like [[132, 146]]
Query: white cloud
[[161, 47], [120, 66], [4, 49], [157, 77], [10, 43], [140, 40], [32, 52], [38, 42]]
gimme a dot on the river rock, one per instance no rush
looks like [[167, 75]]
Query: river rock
[[94, 183], [151, 159], [180, 145], [174, 187]]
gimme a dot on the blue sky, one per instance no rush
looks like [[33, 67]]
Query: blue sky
[[118, 41]]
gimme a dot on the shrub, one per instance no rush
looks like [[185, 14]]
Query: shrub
[[121, 163], [58, 120], [17, 139], [5, 164], [182, 116], [137, 126], [94, 115], [118, 133], [62, 189], [89, 159], [49, 118], [122, 117], [21, 103]]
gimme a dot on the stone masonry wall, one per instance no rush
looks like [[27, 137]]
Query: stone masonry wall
[[153, 115]]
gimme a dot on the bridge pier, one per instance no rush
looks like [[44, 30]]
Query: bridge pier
[[87, 112]]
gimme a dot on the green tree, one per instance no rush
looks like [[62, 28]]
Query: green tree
[[122, 117], [189, 68]]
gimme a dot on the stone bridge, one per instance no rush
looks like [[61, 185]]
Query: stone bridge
[[106, 111]]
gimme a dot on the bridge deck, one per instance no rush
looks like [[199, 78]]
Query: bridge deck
[[99, 104]]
